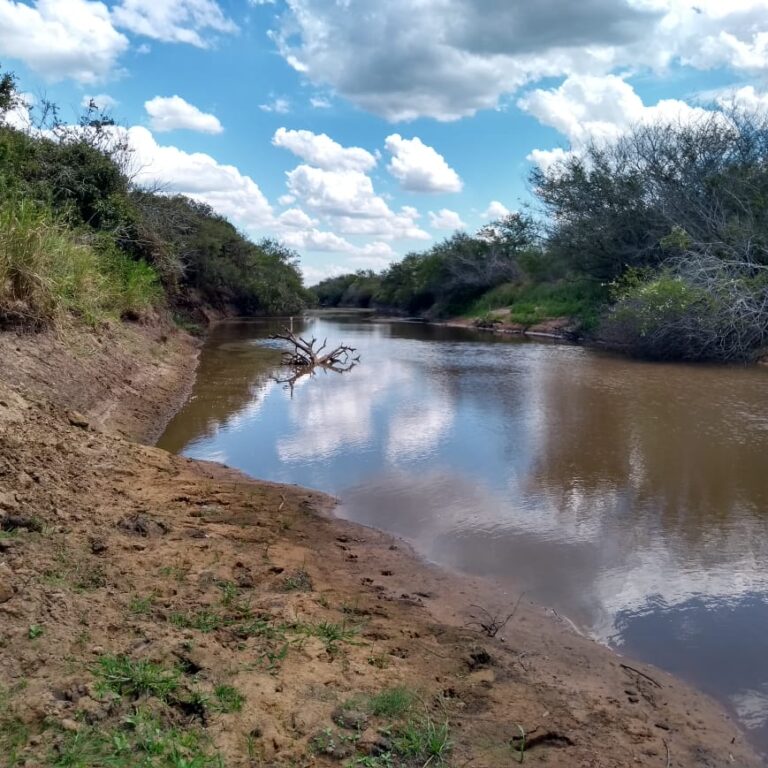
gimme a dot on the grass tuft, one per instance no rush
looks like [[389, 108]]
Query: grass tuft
[[142, 739], [228, 698], [424, 740], [203, 620], [392, 702], [126, 677]]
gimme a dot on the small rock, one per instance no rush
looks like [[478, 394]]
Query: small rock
[[479, 658], [77, 420], [243, 576], [98, 545], [143, 526], [352, 719], [8, 501]]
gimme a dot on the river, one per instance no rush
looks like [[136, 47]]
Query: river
[[631, 497]]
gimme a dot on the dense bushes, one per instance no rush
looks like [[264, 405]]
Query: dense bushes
[[356, 289], [77, 236], [445, 279], [676, 216]]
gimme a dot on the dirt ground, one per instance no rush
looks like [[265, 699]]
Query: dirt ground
[[156, 611], [498, 321]]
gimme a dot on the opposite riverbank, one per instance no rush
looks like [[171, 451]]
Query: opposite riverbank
[[153, 605]]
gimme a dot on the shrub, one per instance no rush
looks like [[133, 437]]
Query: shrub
[[698, 310]]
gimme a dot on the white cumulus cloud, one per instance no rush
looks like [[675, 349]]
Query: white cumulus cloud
[[295, 218], [347, 199], [494, 211], [446, 219], [322, 151], [419, 167], [172, 113], [447, 59], [199, 176], [61, 39], [586, 108], [375, 253], [175, 21], [340, 193]]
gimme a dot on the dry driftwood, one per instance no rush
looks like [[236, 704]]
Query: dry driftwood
[[306, 357]]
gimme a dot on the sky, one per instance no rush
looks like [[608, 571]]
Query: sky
[[356, 131]]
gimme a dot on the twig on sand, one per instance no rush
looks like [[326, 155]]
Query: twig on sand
[[642, 674], [492, 624]]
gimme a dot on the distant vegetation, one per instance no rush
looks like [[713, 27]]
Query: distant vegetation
[[656, 243], [78, 238]]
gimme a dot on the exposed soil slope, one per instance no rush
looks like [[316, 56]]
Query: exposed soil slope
[[240, 621], [128, 379]]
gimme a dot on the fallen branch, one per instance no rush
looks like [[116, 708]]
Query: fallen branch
[[306, 357], [305, 354], [642, 674]]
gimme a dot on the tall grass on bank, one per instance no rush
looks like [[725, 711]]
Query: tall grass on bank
[[48, 271]]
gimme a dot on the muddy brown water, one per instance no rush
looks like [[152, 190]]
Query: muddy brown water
[[631, 497]]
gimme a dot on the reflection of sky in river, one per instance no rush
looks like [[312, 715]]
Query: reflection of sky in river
[[632, 497]]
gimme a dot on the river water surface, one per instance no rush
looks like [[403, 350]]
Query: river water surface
[[631, 497]]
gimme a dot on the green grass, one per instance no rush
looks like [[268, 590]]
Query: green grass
[[178, 572], [35, 631], [230, 593], [202, 620], [48, 271], [534, 303], [141, 741], [14, 734], [141, 606], [125, 677], [228, 698], [260, 627], [331, 633], [392, 702], [423, 740]]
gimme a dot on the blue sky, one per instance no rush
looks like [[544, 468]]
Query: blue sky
[[357, 130]]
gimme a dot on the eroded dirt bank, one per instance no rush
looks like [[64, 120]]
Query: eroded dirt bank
[[127, 379], [159, 609]]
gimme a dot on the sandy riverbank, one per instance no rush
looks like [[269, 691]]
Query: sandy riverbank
[[117, 552]]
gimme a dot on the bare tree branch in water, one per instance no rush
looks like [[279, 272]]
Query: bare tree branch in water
[[306, 358]]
